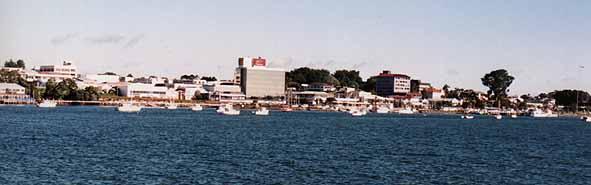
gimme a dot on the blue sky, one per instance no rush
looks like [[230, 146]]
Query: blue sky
[[542, 43]]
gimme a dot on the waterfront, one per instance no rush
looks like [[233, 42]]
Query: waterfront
[[97, 145]]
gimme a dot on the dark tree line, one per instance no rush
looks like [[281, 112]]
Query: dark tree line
[[68, 90], [340, 78], [18, 64], [571, 98]]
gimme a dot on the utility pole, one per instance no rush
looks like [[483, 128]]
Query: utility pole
[[577, 103]]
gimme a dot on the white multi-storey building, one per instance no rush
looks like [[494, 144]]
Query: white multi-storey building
[[257, 80], [56, 72], [388, 84]]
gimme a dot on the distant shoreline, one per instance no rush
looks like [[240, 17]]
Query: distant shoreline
[[251, 107]]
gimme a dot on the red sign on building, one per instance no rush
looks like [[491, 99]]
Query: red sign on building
[[259, 62]]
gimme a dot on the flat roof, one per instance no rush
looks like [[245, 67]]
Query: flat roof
[[10, 86]]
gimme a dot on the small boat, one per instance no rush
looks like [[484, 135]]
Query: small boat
[[171, 106], [229, 110], [406, 111], [587, 119], [513, 116], [261, 112], [382, 110], [47, 104], [129, 107], [355, 112], [538, 113], [196, 108], [467, 117], [498, 116]]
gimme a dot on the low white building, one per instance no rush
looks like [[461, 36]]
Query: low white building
[[433, 93], [12, 93], [11, 88], [224, 91], [142, 90], [310, 97], [101, 78], [189, 91]]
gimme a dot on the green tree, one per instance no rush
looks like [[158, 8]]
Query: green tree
[[446, 90], [20, 63], [498, 82], [10, 63], [370, 84], [88, 94], [67, 89], [209, 78], [50, 90], [10, 77], [348, 78], [569, 98], [189, 77], [305, 75], [14, 77]]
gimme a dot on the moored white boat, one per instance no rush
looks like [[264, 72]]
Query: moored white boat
[[262, 112], [498, 116], [357, 112], [514, 116], [196, 108], [171, 106], [382, 110], [538, 113], [406, 111], [467, 117], [47, 104], [228, 109], [129, 107]]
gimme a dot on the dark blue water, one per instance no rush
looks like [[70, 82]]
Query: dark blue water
[[93, 145]]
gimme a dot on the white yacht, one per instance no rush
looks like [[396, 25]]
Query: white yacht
[[586, 119], [196, 108], [228, 109], [498, 116], [406, 110], [467, 117], [47, 104], [262, 112], [129, 107], [514, 116], [171, 106], [357, 112], [538, 113], [383, 110]]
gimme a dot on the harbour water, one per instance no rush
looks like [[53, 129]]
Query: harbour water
[[97, 145]]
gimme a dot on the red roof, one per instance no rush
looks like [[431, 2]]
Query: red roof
[[394, 75]]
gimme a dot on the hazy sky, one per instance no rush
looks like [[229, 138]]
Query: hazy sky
[[544, 44]]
